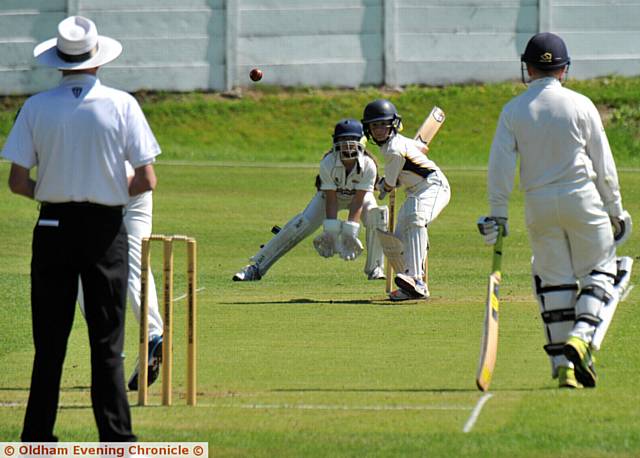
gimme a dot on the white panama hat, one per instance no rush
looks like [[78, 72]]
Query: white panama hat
[[77, 46]]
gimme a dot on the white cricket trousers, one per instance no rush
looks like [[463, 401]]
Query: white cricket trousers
[[425, 201], [570, 234]]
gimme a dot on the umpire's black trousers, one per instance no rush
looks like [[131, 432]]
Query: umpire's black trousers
[[69, 241]]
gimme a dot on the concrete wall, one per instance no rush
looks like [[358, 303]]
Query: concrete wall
[[211, 44]]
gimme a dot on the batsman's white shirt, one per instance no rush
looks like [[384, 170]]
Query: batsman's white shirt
[[333, 175], [569, 177], [86, 126], [405, 162], [559, 136]]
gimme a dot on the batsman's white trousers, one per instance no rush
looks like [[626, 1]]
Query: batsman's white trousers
[[570, 234], [138, 221], [425, 201]]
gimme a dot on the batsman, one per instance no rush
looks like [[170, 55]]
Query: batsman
[[346, 182], [573, 208], [406, 164]]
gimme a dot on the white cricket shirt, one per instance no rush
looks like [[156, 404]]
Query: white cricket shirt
[[405, 161], [561, 141], [333, 175], [79, 136]]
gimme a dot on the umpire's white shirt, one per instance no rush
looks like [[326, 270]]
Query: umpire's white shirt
[[561, 141], [81, 125]]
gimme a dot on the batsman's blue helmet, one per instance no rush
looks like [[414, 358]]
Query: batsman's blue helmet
[[546, 51]]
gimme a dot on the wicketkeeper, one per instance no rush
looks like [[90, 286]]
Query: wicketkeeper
[[427, 189], [574, 211], [348, 174]]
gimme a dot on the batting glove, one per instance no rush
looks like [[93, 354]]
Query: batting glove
[[383, 188], [326, 243], [488, 227], [621, 226], [350, 246]]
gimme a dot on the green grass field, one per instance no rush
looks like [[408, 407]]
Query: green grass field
[[312, 360]]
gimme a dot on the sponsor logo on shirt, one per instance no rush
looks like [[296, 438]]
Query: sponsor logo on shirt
[[76, 91], [346, 192]]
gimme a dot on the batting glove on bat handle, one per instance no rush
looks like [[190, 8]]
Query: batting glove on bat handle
[[621, 226], [383, 187], [488, 228]]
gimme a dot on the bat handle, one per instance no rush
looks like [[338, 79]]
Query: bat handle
[[497, 251]]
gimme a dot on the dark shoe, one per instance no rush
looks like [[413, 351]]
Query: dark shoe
[[153, 366]]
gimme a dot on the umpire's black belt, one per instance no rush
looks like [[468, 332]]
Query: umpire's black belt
[[80, 206]]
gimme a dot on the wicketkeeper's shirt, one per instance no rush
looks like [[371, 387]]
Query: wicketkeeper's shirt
[[334, 177], [561, 141], [406, 162], [81, 125]]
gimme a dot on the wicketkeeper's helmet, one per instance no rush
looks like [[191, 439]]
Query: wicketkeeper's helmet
[[546, 51], [348, 128], [348, 138], [381, 110]]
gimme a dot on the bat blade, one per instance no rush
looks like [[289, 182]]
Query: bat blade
[[489, 347], [430, 126]]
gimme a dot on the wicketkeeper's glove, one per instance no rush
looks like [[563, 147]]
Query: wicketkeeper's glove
[[326, 244], [350, 246], [488, 227]]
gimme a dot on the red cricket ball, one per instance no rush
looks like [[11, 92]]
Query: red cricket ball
[[255, 74]]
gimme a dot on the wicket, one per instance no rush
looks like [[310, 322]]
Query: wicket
[[167, 340]]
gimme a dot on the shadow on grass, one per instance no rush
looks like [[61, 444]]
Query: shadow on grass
[[371, 390], [304, 301], [407, 390], [386, 302]]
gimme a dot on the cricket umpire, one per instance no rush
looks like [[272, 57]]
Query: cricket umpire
[[78, 136], [573, 205]]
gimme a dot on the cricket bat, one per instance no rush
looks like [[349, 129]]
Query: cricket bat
[[425, 134], [489, 346], [430, 126]]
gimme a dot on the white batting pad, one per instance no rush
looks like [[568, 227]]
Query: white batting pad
[[621, 287], [291, 234], [393, 249], [376, 218]]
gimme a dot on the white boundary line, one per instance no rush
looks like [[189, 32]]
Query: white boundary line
[[313, 165], [304, 165], [468, 426], [375, 408]]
